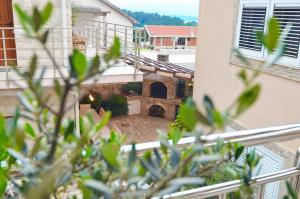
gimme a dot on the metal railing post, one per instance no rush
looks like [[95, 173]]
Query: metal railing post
[[105, 35], [297, 179], [115, 30], [99, 32], [139, 47], [126, 42], [97, 40], [5, 56], [262, 191], [53, 50]]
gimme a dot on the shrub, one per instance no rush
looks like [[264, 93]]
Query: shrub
[[135, 88], [117, 104], [180, 125], [97, 103]]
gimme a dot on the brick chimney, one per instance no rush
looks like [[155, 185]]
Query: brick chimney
[[163, 58]]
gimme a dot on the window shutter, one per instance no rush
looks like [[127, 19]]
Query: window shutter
[[252, 20], [290, 15]]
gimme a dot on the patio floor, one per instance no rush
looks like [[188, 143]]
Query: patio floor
[[139, 128]]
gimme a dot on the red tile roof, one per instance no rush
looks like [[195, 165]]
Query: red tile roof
[[171, 31]]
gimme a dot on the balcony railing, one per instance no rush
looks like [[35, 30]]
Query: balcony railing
[[94, 37], [248, 138]]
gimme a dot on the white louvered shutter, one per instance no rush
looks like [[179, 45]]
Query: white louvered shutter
[[252, 19], [270, 163], [287, 14]]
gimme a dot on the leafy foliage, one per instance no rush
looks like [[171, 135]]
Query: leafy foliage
[[133, 88], [117, 104], [44, 155], [180, 125]]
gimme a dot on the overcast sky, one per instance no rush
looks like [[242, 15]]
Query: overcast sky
[[167, 7]]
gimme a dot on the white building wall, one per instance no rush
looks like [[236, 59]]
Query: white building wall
[[60, 39], [114, 20]]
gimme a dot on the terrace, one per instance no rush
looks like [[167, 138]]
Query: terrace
[[95, 39]]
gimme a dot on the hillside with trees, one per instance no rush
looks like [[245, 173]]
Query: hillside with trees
[[144, 18]]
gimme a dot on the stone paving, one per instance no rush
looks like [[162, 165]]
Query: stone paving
[[140, 128]]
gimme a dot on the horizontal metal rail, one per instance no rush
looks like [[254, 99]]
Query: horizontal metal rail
[[247, 138], [233, 186]]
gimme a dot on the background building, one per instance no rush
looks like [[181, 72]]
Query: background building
[[231, 24], [180, 37]]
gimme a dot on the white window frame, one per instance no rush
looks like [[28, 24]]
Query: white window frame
[[270, 5]]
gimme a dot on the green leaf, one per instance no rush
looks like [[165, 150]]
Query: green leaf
[[291, 191], [46, 13], [273, 35], [208, 158], [247, 99], [18, 156], [29, 130], [87, 194], [175, 135], [243, 76], [70, 129], [175, 157], [271, 39], [94, 65], [98, 186], [114, 52], [187, 181], [37, 19], [25, 102], [104, 121], [110, 153], [57, 87], [238, 152], [188, 115], [167, 191], [32, 67], [153, 171], [3, 185], [78, 64], [24, 18], [218, 119], [36, 147], [44, 37], [3, 136]]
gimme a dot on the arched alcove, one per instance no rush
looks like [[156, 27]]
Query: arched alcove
[[158, 90], [157, 111]]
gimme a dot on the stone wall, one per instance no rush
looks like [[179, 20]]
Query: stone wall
[[106, 90], [168, 104], [170, 83]]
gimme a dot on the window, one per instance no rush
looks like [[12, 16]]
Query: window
[[253, 15], [180, 41]]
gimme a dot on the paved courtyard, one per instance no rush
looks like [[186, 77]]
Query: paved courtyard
[[139, 128]]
